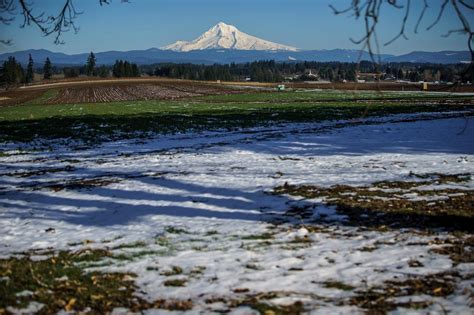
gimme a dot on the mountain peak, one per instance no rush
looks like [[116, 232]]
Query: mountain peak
[[225, 36], [222, 25]]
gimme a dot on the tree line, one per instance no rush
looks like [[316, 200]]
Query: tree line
[[12, 72], [271, 71], [121, 68]]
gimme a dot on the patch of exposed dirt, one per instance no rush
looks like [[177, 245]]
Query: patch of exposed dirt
[[112, 93], [261, 302], [383, 298], [60, 284], [411, 203], [17, 96], [83, 183], [461, 250], [39, 172]]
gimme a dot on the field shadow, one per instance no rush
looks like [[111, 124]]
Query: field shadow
[[146, 199], [89, 198], [93, 129], [452, 136], [107, 206]]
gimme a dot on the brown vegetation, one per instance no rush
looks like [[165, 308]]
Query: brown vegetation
[[98, 91], [59, 283], [413, 203], [98, 94]]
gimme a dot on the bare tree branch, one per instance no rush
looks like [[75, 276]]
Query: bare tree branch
[[370, 11], [440, 14], [48, 23], [469, 6], [422, 14], [404, 23]]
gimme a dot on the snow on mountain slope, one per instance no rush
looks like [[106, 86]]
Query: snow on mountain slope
[[224, 36]]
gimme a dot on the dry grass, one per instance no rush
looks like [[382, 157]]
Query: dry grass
[[60, 284], [391, 203]]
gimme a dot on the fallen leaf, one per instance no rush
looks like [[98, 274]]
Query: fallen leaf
[[97, 297], [70, 305]]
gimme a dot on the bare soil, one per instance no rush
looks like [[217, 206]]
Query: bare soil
[[102, 94], [98, 91], [398, 203]]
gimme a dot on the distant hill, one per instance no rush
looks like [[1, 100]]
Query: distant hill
[[445, 57], [223, 44], [211, 56], [40, 55]]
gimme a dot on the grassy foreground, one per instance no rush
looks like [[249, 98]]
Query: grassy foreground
[[95, 122]]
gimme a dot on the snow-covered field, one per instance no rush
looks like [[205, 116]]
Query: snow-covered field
[[203, 203]]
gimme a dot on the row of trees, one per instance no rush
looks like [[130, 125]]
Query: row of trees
[[119, 69], [271, 71], [261, 71], [125, 69], [11, 72]]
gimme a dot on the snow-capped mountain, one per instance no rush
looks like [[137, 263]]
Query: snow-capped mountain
[[224, 36]]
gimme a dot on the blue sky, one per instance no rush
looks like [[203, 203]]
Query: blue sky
[[306, 24]]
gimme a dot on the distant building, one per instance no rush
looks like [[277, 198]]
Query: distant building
[[389, 77], [308, 75], [291, 77], [369, 76]]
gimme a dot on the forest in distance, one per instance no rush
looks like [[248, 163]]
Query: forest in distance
[[12, 72]]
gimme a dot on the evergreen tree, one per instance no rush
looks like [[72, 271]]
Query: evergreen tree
[[71, 72], [400, 74], [126, 69], [330, 75], [351, 75], [90, 66], [135, 70], [115, 69], [9, 76], [103, 72], [11, 72], [47, 69], [118, 70], [121, 67], [340, 75], [29, 71], [2, 74], [414, 76]]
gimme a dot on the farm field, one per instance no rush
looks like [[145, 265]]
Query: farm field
[[129, 93], [218, 109], [211, 200], [109, 91]]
